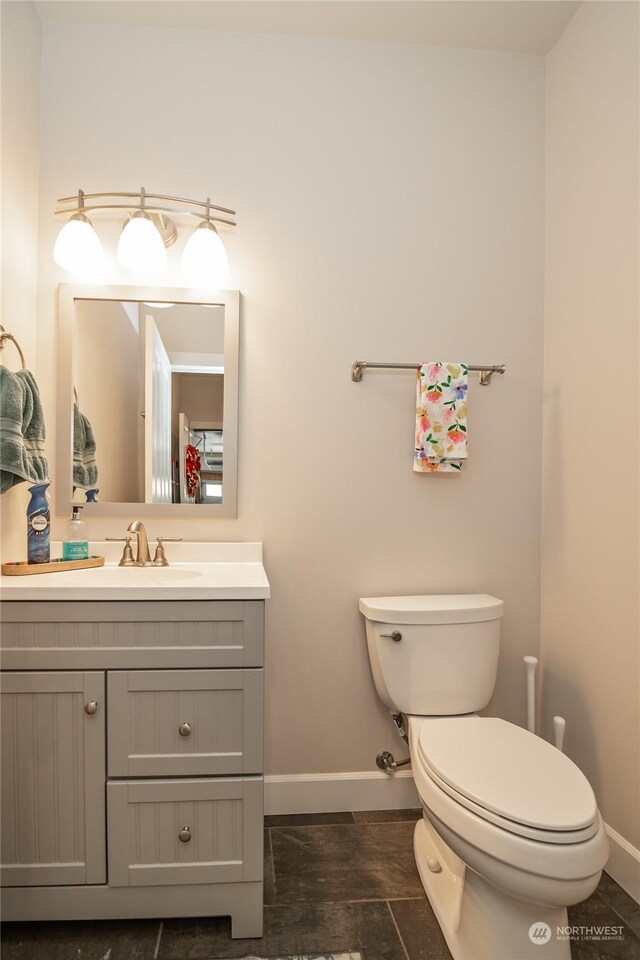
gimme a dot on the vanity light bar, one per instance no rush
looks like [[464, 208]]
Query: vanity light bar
[[142, 198], [146, 234]]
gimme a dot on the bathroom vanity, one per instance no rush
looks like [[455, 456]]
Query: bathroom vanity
[[132, 740]]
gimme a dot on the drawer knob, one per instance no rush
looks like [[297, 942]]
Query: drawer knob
[[185, 835], [184, 729], [91, 707]]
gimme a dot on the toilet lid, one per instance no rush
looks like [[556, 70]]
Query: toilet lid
[[508, 771]]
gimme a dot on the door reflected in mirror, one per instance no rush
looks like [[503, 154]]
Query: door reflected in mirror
[[149, 410]]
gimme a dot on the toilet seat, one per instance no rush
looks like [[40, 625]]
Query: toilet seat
[[508, 777], [544, 836], [481, 841]]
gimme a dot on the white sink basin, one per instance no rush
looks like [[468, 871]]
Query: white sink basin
[[233, 572], [127, 577]]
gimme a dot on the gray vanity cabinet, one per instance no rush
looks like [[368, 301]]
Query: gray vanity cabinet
[[168, 820], [53, 772]]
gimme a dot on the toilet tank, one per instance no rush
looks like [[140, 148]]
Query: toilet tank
[[434, 655]]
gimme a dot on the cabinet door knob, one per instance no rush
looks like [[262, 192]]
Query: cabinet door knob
[[184, 729], [91, 707], [185, 835]]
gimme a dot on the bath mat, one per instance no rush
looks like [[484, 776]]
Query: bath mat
[[352, 955]]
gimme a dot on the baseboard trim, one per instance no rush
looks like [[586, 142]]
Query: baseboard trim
[[623, 863], [336, 792]]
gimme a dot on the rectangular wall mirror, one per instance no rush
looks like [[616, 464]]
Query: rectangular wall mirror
[[147, 401]]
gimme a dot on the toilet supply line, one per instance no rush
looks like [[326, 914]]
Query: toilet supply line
[[387, 762]]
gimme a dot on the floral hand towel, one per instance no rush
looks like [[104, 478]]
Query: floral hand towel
[[441, 418]]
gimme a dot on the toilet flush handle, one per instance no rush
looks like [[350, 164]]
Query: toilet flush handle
[[395, 635]]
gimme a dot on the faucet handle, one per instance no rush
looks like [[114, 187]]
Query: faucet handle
[[160, 558], [126, 560]]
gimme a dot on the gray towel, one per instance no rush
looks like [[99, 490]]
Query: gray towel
[[85, 468], [22, 430]]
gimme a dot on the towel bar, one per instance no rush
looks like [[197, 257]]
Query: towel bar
[[4, 337], [486, 370]]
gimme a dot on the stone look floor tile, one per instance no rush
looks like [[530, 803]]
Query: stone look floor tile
[[269, 876], [594, 912], [308, 819], [85, 939], [419, 929], [358, 862], [387, 816], [288, 930], [624, 905], [367, 857]]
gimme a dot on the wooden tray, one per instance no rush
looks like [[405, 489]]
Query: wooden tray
[[21, 568]]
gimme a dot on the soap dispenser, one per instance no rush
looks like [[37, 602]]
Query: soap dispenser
[[75, 545]]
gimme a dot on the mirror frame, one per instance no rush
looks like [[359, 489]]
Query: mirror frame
[[68, 293]]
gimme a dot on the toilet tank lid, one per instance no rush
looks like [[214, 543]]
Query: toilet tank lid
[[433, 608]]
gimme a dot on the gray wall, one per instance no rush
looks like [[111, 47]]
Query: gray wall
[[20, 82], [590, 560], [391, 207]]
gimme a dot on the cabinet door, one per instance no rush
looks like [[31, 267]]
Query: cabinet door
[[176, 723], [53, 775], [184, 831]]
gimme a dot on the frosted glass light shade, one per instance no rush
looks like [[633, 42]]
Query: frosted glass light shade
[[204, 260], [78, 246], [140, 247]]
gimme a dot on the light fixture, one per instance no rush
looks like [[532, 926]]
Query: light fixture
[[78, 248], [204, 260], [140, 247], [146, 234]]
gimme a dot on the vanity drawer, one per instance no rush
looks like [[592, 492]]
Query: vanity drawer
[[178, 723], [184, 831], [131, 634]]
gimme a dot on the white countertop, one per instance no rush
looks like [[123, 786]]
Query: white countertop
[[196, 571]]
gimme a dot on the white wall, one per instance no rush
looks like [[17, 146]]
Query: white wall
[[590, 569], [391, 207], [20, 82], [106, 362]]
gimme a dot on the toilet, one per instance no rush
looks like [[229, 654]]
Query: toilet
[[511, 834]]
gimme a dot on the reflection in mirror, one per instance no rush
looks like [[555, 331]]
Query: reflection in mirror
[[149, 419], [147, 401]]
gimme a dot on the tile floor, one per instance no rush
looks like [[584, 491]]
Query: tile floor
[[332, 882]]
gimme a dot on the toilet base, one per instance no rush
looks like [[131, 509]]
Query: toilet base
[[480, 922]]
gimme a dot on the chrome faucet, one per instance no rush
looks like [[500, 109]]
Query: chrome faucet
[[143, 557]]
